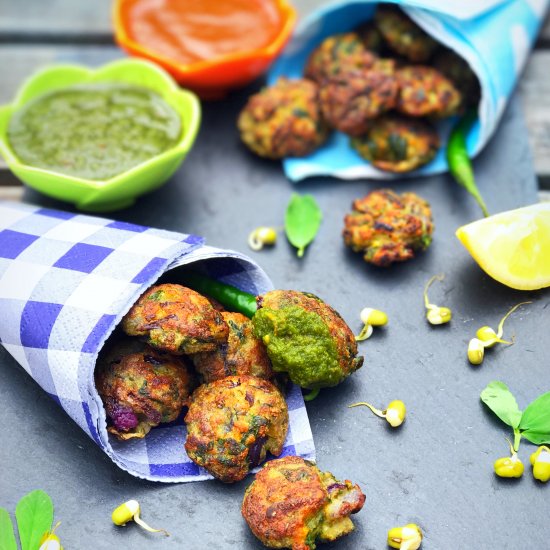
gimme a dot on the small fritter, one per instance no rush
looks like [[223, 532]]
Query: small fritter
[[291, 503], [371, 37], [425, 91], [306, 338], [337, 53], [143, 390], [403, 35], [387, 227], [396, 143], [243, 353], [232, 423], [351, 99], [176, 319], [283, 120], [457, 70]]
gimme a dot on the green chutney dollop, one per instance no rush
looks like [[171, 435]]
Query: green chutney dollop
[[93, 131]]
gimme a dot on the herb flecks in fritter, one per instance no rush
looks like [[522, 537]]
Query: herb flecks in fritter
[[143, 390], [176, 319], [291, 504], [283, 120], [387, 227], [396, 143], [306, 338], [243, 353], [232, 423]]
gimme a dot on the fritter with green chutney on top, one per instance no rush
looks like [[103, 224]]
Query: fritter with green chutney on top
[[291, 504], [176, 319], [425, 91], [243, 353], [336, 53], [142, 390], [387, 227], [232, 423], [403, 35], [306, 338], [396, 143], [283, 120], [350, 99]]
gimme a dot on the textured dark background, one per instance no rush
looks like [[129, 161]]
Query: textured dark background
[[436, 470]]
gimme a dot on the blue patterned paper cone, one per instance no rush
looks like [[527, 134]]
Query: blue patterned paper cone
[[493, 36], [66, 281]]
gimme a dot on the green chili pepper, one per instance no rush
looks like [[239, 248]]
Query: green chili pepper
[[302, 220], [458, 159], [231, 297]]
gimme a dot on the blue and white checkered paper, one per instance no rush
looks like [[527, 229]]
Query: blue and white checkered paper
[[493, 36], [66, 281]]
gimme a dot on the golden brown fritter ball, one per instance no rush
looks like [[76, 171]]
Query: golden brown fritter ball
[[457, 70], [232, 423], [176, 319], [396, 143], [291, 503], [403, 35], [387, 227], [425, 91], [283, 120], [143, 390], [306, 338], [336, 53], [350, 99], [243, 353]]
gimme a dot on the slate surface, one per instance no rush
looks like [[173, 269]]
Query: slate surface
[[436, 470]]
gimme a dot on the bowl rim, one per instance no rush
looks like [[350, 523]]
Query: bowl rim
[[289, 18], [188, 134]]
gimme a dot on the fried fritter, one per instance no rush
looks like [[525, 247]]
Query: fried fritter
[[142, 390], [396, 143], [176, 319], [243, 353], [425, 91], [371, 37], [457, 70], [388, 227], [291, 503], [306, 338], [283, 120], [232, 423], [337, 53], [403, 35], [350, 99]]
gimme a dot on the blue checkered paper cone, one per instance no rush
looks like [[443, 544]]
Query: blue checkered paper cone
[[66, 281], [493, 36]]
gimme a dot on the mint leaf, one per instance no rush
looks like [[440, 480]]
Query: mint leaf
[[7, 537], [302, 220], [535, 422], [34, 513], [500, 400]]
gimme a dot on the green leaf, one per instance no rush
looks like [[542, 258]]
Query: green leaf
[[34, 513], [7, 537], [302, 220], [535, 422], [500, 400]]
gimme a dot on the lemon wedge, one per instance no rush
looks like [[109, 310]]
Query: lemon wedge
[[512, 247]]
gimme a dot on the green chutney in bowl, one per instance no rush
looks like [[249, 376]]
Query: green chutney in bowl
[[98, 138]]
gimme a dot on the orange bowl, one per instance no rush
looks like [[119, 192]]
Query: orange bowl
[[211, 78]]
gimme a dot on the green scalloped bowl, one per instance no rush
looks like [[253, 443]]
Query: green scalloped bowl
[[122, 190]]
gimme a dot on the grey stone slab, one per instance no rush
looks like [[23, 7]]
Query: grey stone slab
[[436, 470]]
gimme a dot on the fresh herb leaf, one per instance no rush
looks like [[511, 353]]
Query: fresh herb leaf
[[7, 537], [500, 400], [398, 147], [535, 422], [34, 513], [302, 220]]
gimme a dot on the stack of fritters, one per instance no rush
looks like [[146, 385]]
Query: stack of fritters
[[382, 102]]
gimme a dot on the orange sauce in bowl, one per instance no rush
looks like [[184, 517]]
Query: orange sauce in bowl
[[197, 30]]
